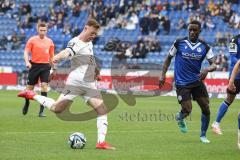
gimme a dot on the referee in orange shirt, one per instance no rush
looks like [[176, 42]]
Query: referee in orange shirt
[[41, 49]]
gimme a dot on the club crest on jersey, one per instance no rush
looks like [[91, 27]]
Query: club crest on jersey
[[232, 47], [199, 49]]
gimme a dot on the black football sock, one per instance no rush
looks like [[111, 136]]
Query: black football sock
[[41, 106], [25, 107]]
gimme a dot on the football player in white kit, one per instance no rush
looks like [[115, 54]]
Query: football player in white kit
[[80, 81]]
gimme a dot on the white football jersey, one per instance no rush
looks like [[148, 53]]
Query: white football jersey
[[82, 61]]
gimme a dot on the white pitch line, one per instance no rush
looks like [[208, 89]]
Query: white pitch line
[[121, 131]]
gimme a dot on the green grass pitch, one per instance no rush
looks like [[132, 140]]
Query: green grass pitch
[[145, 131]]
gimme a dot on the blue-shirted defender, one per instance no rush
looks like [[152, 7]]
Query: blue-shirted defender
[[234, 50], [189, 54]]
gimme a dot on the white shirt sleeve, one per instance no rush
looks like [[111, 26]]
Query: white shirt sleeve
[[173, 50], [72, 47], [210, 54]]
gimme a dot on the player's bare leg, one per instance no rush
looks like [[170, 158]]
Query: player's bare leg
[[55, 106], [102, 123], [26, 105], [44, 87]]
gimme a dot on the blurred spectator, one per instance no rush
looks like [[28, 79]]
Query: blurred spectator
[[209, 24], [25, 8], [76, 30], [222, 62], [153, 24], [27, 22], [227, 11], [131, 24], [220, 40], [166, 24], [152, 44], [22, 35], [85, 6], [139, 50], [181, 24], [211, 6], [144, 24], [43, 17], [143, 11], [15, 42], [6, 5], [112, 12], [234, 21], [66, 28], [76, 10], [3, 43], [134, 18]]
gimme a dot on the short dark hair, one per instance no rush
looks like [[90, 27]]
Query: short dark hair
[[93, 23], [41, 24], [196, 22]]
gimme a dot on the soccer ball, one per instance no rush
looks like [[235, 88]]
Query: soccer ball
[[77, 140]]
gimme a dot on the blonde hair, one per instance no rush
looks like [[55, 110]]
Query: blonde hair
[[93, 23]]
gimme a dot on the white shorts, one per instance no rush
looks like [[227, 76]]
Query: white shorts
[[85, 91]]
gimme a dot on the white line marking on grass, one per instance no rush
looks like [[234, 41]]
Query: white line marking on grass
[[120, 131]]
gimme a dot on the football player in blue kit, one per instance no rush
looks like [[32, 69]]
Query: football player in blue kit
[[232, 87], [234, 50], [189, 54]]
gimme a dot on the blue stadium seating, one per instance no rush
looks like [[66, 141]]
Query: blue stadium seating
[[15, 58]]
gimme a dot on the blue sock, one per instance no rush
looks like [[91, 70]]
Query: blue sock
[[205, 123], [179, 116], [222, 110], [239, 121]]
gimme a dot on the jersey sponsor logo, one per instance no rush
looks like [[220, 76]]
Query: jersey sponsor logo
[[232, 47], [191, 56]]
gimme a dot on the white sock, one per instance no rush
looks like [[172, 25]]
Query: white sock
[[102, 125], [45, 101]]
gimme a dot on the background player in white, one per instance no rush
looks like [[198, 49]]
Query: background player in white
[[80, 81]]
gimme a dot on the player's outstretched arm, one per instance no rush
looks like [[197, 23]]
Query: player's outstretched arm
[[213, 65], [61, 55], [211, 68], [166, 64], [26, 59]]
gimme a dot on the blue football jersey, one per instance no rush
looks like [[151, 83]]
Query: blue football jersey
[[188, 60], [234, 50]]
